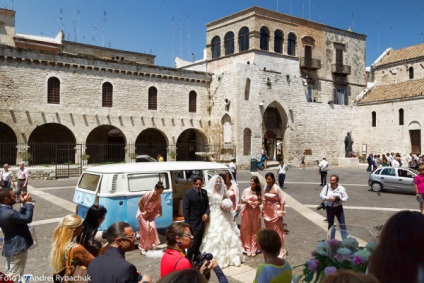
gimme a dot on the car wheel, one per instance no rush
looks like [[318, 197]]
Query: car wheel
[[376, 187]]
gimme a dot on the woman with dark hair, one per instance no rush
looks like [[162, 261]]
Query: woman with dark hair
[[233, 191], [250, 213], [273, 209], [95, 216], [149, 207], [349, 276], [191, 275], [179, 236], [275, 269], [399, 255]]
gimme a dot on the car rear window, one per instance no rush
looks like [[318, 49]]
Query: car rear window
[[89, 182]]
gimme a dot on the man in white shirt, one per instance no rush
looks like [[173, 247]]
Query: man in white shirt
[[281, 173], [333, 195], [322, 170], [233, 168], [23, 177]]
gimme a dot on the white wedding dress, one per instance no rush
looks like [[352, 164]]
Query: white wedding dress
[[222, 237]]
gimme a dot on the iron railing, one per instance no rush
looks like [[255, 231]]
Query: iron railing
[[49, 154], [341, 69], [309, 63]]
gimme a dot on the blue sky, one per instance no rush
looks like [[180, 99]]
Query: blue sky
[[155, 27]]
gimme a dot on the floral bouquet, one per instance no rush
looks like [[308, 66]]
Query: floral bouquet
[[332, 255], [226, 205], [352, 154]]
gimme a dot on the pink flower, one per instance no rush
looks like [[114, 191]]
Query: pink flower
[[334, 243], [330, 270], [313, 253], [358, 260], [313, 264]]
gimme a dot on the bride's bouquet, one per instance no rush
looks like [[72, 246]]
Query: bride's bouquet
[[227, 205]]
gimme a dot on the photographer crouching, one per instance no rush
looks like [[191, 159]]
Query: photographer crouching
[[333, 195], [179, 237]]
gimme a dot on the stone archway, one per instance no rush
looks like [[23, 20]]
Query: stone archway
[[274, 126], [188, 143], [152, 142], [9, 143], [104, 144], [51, 143]]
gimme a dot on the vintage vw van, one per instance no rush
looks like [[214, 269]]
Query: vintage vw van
[[119, 187]]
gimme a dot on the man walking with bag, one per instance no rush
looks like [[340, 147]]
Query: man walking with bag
[[14, 224]]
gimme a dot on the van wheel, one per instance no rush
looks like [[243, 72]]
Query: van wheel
[[262, 167], [376, 187]]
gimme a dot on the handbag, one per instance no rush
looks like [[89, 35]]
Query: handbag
[[71, 273]]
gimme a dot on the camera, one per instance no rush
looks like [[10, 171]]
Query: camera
[[321, 206], [202, 258], [337, 199]]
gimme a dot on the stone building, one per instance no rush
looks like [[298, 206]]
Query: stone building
[[389, 111], [282, 82], [268, 80]]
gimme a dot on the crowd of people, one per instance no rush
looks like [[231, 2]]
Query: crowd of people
[[393, 159], [209, 238]]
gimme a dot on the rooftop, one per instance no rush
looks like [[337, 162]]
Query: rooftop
[[402, 90], [403, 54]]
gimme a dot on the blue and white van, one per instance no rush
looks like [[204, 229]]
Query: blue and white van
[[119, 187]]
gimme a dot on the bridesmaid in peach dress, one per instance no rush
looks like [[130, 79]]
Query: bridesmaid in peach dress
[[251, 199], [273, 209], [149, 207], [233, 191]]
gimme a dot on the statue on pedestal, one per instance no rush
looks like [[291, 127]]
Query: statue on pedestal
[[348, 144]]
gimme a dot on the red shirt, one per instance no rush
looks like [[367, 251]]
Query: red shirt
[[173, 260], [419, 181]]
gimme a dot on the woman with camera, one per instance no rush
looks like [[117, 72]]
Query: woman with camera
[[179, 237], [333, 195]]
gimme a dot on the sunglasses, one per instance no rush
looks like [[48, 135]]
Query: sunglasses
[[186, 235], [132, 237]]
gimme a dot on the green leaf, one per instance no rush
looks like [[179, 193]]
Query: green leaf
[[309, 277]]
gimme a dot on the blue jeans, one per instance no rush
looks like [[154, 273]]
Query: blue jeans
[[281, 178], [339, 213], [323, 177]]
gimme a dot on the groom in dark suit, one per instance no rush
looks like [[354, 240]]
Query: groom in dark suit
[[14, 224], [196, 213]]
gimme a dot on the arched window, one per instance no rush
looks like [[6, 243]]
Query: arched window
[[53, 90], [264, 41], [401, 117], [192, 101], [373, 119], [229, 43], [291, 46], [216, 47], [153, 99], [107, 94], [244, 39], [247, 89], [247, 141], [278, 41], [411, 73]]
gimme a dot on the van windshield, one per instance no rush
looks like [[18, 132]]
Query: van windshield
[[89, 182], [146, 182]]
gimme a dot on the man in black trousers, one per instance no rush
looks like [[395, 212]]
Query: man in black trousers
[[196, 213]]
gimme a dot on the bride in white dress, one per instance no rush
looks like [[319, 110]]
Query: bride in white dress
[[222, 237]]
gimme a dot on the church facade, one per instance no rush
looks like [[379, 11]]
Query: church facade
[[269, 81]]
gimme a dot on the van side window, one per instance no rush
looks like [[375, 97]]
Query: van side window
[[89, 182], [146, 182]]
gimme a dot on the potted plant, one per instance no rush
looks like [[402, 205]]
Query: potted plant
[[173, 155], [26, 156]]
